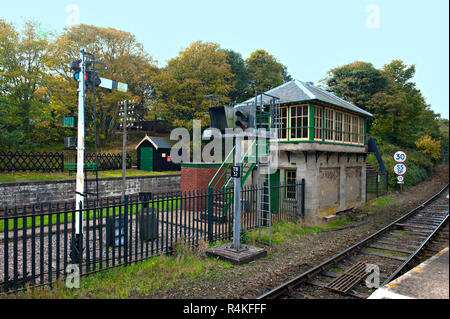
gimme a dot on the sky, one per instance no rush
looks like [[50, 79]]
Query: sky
[[309, 37]]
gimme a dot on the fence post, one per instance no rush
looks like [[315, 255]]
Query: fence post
[[125, 217], [387, 181], [303, 197], [378, 177], [210, 214], [62, 162]]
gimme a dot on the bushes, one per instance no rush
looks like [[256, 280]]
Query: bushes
[[418, 166], [429, 147], [45, 133], [414, 174]]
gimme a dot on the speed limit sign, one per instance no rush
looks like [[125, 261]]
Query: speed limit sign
[[400, 157], [400, 169]]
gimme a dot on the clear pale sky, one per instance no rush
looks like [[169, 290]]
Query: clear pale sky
[[309, 37]]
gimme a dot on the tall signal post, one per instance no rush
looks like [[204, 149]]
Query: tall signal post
[[79, 188], [85, 78]]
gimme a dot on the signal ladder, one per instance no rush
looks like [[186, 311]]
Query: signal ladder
[[267, 124]]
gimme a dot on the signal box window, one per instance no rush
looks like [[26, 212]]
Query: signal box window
[[291, 179]]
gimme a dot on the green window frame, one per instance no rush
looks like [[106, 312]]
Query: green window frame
[[299, 122], [318, 123]]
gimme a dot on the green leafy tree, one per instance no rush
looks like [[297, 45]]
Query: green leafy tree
[[401, 115], [199, 70], [24, 59], [240, 76], [357, 82], [444, 134], [127, 62], [429, 147], [264, 72]]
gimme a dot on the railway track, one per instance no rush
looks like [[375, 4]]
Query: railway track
[[392, 250]]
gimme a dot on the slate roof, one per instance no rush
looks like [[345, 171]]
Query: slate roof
[[298, 91], [157, 142]]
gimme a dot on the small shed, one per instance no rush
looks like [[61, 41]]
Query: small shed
[[153, 154]]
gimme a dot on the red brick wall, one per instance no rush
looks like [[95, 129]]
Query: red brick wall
[[196, 178]]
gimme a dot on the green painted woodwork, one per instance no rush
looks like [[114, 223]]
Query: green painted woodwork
[[275, 192], [146, 159], [311, 132]]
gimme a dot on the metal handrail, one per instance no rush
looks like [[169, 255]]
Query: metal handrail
[[221, 166]]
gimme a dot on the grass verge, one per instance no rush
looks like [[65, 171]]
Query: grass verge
[[155, 276], [282, 231], [141, 280], [40, 176]]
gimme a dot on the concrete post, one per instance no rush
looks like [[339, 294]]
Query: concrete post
[[342, 172]]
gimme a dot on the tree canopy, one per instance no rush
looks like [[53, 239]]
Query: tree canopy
[[401, 114], [238, 92], [37, 88], [197, 71], [264, 72]]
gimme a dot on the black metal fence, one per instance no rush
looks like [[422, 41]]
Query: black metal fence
[[31, 161], [36, 248], [376, 184], [106, 161], [51, 162]]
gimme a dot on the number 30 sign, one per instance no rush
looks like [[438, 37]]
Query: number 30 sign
[[400, 157]]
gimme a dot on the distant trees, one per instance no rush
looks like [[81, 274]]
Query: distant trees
[[357, 82], [401, 115], [264, 72], [239, 77], [37, 88], [204, 68], [199, 70], [127, 62], [24, 60]]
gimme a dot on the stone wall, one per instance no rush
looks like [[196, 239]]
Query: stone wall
[[333, 181], [20, 193]]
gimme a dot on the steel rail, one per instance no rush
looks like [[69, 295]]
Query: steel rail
[[416, 252], [289, 285]]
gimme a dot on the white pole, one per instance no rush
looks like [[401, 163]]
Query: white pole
[[80, 147]]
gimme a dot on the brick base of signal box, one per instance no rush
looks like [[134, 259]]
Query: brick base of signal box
[[197, 176]]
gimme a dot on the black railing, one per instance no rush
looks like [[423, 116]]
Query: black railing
[[376, 184], [51, 162], [38, 247], [106, 161], [32, 161]]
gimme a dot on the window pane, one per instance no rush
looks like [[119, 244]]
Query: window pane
[[291, 179], [318, 122]]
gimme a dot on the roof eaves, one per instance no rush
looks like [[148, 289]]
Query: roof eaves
[[348, 104]]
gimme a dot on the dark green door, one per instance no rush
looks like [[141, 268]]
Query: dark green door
[[146, 158], [275, 192]]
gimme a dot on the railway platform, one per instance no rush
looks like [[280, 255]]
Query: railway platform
[[429, 280]]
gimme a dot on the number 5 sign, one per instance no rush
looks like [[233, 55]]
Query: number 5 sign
[[400, 169], [400, 157]]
